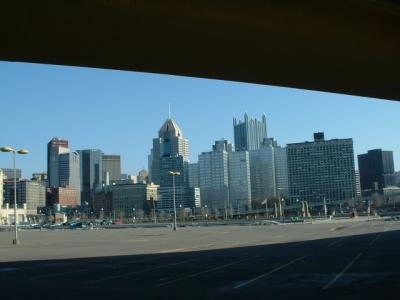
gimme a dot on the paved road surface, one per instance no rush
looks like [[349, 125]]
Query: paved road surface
[[352, 260]]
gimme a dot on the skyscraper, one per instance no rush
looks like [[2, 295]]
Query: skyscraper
[[69, 173], [170, 152], [268, 171], [239, 180], [169, 144], [249, 133], [54, 148], [214, 176], [91, 173], [373, 167], [111, 168], [193, 174], [322, 169]]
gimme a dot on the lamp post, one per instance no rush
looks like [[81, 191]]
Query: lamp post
[[14, 151], [173, 174]]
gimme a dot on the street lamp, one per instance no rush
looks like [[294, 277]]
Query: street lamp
[[14, 151], [173, 174]]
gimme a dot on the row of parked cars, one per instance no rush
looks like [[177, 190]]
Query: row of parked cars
[[76, 224]]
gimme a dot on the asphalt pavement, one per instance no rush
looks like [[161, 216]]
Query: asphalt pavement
[[336, 260]]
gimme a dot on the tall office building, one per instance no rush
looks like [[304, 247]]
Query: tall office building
[[8, 173], [91, 173], [321, 169], [54, 148], [193, 174], [239, 180], [111, 168], [69, 173], [170, 152], [169, 144], [214, 176], [268, 170], [249, 133], [29, 192], [373, 167]]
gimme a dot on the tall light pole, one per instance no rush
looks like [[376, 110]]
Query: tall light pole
[[14, 151], [173, 174]]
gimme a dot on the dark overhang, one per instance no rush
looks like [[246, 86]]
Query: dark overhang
[[342, 46]]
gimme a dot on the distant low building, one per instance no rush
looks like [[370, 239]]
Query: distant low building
[[29, 192], [103, 205], [185, 197], [131, 200], [65, 196], [9, 173], [7, 214]]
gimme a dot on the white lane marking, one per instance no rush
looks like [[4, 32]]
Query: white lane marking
[[202, 272], [327, 286], [336, 242], [270, 272], [57, 274], [375, 239], [8, 269], [138, 272]]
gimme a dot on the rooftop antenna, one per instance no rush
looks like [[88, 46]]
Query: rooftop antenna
[[169, 110]]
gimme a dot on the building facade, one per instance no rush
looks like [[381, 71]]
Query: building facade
[[54, 148], [268, 171], [8, 173], [91, 173], [374, 166], [214, 176], [193, 175], [322, 169], [69, 173], [239, 180], [249, 133], [29, 192], [111, 168], [170, 144], [131, 200], [185, 197], [64, 196]]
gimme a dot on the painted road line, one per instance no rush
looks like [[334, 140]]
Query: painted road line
[[57, 274], [202, 272], [375, 239], [328, 285], [336, 242], [270, 272], [139, 272]]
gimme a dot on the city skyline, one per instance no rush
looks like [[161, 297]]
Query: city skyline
[[114, 110]]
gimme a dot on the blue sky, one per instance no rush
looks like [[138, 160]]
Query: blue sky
[[120, 112]]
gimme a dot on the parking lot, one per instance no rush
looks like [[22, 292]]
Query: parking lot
[[353, 259]]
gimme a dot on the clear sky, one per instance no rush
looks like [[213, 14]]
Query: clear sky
[[121, 112]]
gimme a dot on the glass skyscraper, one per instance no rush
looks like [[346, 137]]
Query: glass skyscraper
[[91, 173], [249, 133]]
